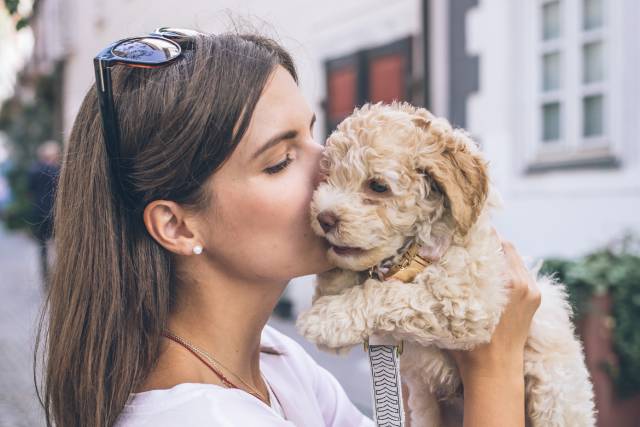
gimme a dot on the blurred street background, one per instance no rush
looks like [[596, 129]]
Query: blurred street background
[[548, 88], [19, 309]]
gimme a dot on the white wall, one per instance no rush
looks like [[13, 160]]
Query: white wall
[[555, 213], [564, 212], [311, 30]]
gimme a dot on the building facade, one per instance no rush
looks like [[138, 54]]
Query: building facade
[[548, 88]]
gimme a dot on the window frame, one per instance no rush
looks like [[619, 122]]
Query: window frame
[[572, 149], [361, 59]]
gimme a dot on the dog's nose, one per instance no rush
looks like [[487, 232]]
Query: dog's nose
[[327, 220]]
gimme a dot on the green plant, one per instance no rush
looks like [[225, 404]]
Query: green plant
[[27, 123], [579, 291], [626, 312], [614, 270], [12, 9]]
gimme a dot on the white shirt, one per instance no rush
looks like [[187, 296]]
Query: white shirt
[[309, 395], [273, 400]]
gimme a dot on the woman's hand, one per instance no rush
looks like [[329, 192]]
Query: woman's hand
[[492, 374]]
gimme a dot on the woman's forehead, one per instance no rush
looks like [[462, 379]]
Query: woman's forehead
[[281, 107]]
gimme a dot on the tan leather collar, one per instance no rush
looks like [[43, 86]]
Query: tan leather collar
[[407, 269]]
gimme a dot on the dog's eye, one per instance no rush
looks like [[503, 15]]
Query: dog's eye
[[435, 187], [377, 187]]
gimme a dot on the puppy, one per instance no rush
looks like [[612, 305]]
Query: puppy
[[402, 185]]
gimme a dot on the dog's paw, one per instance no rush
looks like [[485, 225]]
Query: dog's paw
[[328, 324]]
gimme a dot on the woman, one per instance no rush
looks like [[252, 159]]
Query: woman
[[160, 296]]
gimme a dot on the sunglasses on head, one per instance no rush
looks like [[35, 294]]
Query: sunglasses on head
[[161, 47]]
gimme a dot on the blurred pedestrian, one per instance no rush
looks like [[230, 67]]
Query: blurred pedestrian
[[42, 178]]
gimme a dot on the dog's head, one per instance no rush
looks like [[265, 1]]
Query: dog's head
[[395, 171]]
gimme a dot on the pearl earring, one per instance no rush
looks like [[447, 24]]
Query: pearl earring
[[197, 249]]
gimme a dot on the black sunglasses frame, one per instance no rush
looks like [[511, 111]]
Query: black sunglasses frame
[[102, 64]]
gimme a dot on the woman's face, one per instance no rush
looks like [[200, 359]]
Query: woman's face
[[258, 226]]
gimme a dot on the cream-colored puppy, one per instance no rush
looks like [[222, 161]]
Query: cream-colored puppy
[[397, 178]]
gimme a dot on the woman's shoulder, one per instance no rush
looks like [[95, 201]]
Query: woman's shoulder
[[285, 347], [273, 339], [197, 404], [305, 390], [192, 404], [289, 356]]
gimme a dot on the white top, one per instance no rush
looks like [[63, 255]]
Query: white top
[[310, 396], [273, 400]]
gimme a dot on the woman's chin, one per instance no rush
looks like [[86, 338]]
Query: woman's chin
[[317, 259]]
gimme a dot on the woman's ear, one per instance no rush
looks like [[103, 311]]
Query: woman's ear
[[167, 223], [451, 159]]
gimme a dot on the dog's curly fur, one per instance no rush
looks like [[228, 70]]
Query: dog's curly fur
[[395, 173]]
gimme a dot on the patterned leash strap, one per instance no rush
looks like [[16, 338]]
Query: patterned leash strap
[[385, 378]]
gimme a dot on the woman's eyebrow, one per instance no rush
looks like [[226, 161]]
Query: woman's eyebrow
[[282, 136]]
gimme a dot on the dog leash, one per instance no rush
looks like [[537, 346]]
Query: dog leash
[[384, 352], [386, 386]]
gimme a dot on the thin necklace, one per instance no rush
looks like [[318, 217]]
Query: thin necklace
[[211, 362]]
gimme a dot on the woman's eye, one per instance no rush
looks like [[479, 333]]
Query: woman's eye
[[277, 168], [377, 187]]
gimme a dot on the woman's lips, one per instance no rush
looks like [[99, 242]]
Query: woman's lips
[[346, 250]]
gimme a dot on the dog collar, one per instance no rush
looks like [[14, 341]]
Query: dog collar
[[411, 263]]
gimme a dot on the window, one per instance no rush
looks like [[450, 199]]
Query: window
[[572, 84], [594, 80], [377, 74]]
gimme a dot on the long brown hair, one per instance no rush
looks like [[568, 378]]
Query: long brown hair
[[112, 285]]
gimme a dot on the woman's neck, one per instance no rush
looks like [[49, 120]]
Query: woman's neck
[[225, 316]]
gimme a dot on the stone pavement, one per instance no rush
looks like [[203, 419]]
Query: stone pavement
[[20, 303], [20, 300]]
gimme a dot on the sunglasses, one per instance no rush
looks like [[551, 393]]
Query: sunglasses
[[161, 47]]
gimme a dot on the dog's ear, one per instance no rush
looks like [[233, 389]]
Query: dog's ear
[[450, 160]]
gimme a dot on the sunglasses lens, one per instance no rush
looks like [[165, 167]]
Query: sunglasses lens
[[148, 50], [180, 32]]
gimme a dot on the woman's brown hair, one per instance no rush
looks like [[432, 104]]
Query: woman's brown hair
[[112, 285]]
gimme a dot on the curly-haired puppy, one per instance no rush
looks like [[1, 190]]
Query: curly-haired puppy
[[399, 179]]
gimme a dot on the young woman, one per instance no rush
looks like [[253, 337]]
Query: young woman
[[172, 258]]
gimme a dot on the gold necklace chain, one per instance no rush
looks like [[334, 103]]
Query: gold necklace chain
[[215, 362]]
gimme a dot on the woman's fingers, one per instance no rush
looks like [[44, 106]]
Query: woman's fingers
[[519, 278], [525, 296]]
